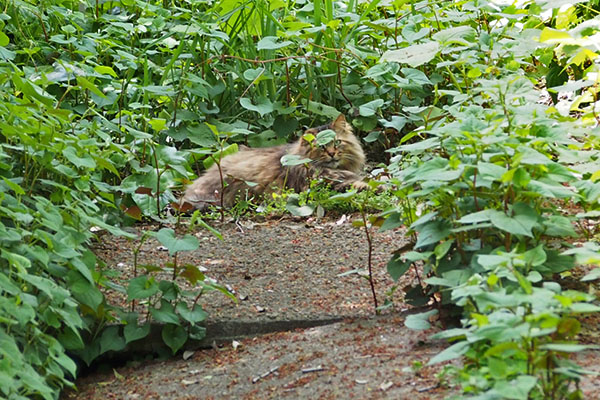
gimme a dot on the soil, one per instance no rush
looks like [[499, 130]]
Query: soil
[[278, 269], [287, 270]]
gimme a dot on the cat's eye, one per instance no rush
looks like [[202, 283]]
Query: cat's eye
[[337, 142]]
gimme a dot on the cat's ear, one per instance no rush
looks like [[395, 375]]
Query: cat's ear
[[340, 124]]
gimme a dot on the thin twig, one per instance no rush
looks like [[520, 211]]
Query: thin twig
[[158, 174], [339, 75], [221, 199], [370, 264], [313, 369], [287, 84], [269, 372]]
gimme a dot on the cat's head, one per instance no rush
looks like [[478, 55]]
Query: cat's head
[[343, 152]]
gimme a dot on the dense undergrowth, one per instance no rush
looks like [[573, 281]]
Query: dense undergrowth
[[107, 108]]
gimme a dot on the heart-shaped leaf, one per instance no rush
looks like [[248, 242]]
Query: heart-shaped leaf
[[166, 236]]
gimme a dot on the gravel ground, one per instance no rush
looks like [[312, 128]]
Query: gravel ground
[[288, 270], [363, 360]]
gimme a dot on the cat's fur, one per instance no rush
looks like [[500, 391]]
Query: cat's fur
[[339, 162]]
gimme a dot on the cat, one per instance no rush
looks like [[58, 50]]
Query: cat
[[255, 172]]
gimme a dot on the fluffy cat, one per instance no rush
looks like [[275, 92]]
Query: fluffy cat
[[339, 162]]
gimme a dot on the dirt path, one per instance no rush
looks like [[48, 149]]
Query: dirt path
[[284, 271], [363, 360], [288, 269]]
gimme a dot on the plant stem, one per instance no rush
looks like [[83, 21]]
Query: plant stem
[[370, 257], [175, 266], [158, 174]]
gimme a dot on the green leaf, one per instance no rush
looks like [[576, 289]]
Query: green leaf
[[557, 225], [392, 221], [15, 188], [170, 290], [452, 352], [551, 189], [295, 209], [396, 267], [347, 196], [167, 237], [436, 280], [568, 347], [554, 35], [16, 260], [524, 220], [197, 314], [419, 321], [491, 261], [588, 253], [476, 217], [535, 256], [530, 156], [592, 275], [105, 70], [133, 331], [165, 314], [525, 284], [84, 83], [197, 220], [474, 73], [219, 155], [254, 74], [415, 55], [113, 229], [420, 145], [271, 43], [490, 171], [111, 339], [289, 160], [517, 389], [84, 291], [432, 232], [166, 90], [86, 161], [263, 106], [442, 249], [584, 308], [4, 40], [322, 109], [158, 124], [324, 137], [372, 136], [8, 285], [369, 109], [141, 288], [174, 336], [462, 35], [71, 339], [9, 348], [64, 361]]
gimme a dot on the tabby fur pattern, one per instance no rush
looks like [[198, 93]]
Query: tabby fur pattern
[[339, 163]]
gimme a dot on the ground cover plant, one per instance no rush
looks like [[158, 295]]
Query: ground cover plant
[[481, 116]]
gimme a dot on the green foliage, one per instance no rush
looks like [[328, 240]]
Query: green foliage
[[108, 108], [51, 195], [492, 175]]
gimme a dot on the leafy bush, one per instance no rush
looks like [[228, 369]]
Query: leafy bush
[[50, 197], [495, 173], [108, 108]]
